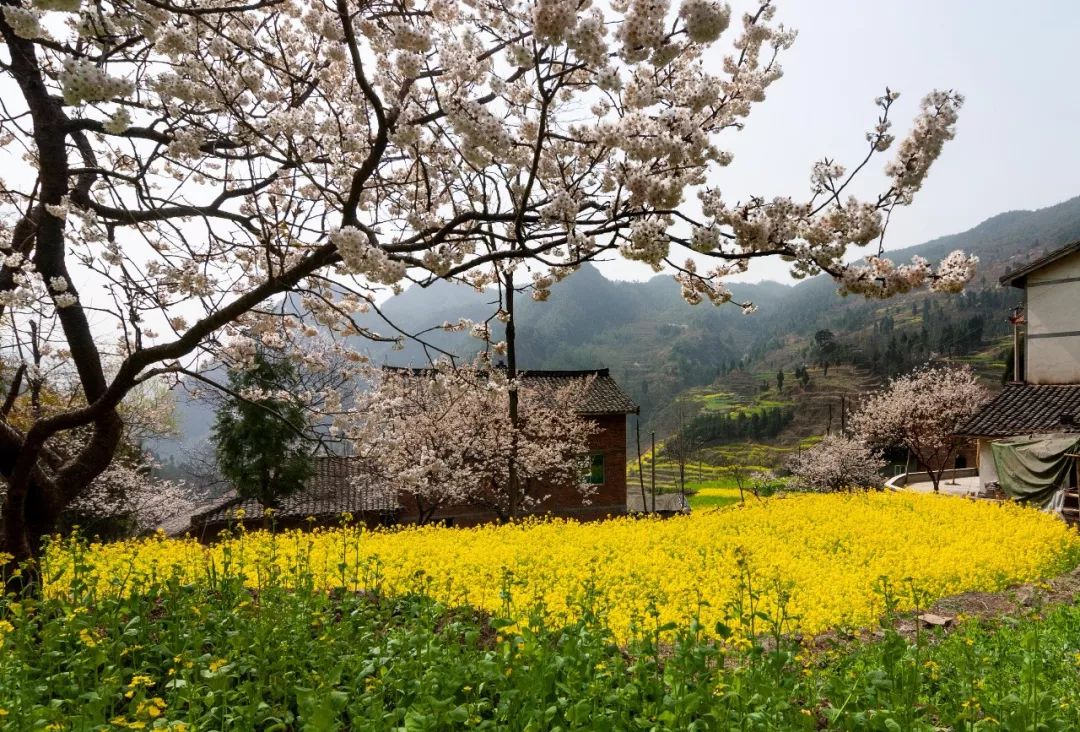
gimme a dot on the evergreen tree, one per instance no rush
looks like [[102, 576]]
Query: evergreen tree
[[260, 442]]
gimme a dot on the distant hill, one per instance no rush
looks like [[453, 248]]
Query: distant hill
[[657, 346]]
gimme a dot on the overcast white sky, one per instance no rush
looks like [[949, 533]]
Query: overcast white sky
[[1016, 145]]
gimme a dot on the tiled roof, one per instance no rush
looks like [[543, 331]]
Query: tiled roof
[[604, 395], [337, 485], [1016, 276], [1024, 409]]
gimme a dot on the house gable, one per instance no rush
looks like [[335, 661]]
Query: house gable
[[1051, 305]]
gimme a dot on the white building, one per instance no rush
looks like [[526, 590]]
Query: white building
[[1032, 427]]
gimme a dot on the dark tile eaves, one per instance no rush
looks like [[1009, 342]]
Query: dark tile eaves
[[1023, 409]]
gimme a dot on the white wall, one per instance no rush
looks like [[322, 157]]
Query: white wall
[[1052, 308], [987, 468]]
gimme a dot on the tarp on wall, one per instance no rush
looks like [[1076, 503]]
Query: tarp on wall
[[1034, 469]]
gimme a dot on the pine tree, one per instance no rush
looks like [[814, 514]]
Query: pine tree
[[260, 442]]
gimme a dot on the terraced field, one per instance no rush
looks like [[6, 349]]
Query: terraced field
[[717, 466]]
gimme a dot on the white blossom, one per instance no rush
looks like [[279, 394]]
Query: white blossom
[[83, 81], [837, 463], [922, 411]]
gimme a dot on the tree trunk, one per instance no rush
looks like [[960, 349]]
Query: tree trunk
[[26, 524], [513, 489]]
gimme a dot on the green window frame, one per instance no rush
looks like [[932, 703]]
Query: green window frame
[[596, 468]]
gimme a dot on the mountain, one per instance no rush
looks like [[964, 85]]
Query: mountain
[[657, 346]]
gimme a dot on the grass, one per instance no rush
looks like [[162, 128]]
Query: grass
[[702, 501]]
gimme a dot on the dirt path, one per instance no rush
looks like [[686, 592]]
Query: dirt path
[[990, 606]]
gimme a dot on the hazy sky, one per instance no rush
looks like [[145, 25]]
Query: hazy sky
[[1016, 146]]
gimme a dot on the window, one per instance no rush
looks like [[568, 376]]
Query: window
[[596, 468]]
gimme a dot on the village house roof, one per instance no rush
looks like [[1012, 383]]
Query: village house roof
[[1017, 276], [603, 396], [338, 485], [1026, 409]]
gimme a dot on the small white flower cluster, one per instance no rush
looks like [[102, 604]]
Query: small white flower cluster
[[541, 286], [456, 327], [444, 11], [695, 288], [954, 272], [83, 81], [642, 29], [881, 277], [935, 125], [118, 123], [704, 238], [553, 20], [65, 299], [562, 209], [484, 136], [59, 210], [406, 37], [588, 39], [705, 19], [361, 258], [648, 242], [26, 22], [824, 174], [186, 144]]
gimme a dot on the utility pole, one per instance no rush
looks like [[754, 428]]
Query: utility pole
[[828, 425], [1017, 319], [843, 415], [640, 470], [652, 464]]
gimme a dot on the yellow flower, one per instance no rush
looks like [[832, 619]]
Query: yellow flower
[[217, 664], [664, 571], [87, 638]]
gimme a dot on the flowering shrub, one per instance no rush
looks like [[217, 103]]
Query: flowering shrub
[[677, 569], [837, 463]]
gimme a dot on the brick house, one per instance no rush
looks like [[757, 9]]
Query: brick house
[[341, 485]]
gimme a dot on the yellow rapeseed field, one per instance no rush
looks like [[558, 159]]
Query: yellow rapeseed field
[[827, 553]]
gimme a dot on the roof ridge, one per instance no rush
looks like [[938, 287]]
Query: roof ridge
[[549, 373], [1053, 255]]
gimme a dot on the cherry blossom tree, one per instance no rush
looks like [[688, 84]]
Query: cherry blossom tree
[[444, 436], [172, 166], [922, 411], [126, 498], [837, 463]]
